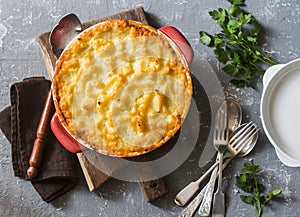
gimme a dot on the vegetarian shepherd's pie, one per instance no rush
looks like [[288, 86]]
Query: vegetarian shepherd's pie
[[122, 88]]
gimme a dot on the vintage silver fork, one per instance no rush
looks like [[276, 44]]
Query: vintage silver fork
[[220, 141]]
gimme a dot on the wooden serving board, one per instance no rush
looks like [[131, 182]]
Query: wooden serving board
[[94, 177]]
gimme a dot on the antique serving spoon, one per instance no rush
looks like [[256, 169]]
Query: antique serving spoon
[[67, 28]]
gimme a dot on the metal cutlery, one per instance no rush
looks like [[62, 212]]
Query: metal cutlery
[[194, 204], [234, 120], [205, 205], [244, 146], [186, 194], [220, 141], [248, 134]]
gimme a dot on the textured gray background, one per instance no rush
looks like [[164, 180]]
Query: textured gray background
[[22, 20]]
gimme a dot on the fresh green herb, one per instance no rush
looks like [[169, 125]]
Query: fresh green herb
[[236, 45], [247, 181]]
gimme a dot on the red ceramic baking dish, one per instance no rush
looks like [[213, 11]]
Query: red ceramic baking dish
[[59, 127]]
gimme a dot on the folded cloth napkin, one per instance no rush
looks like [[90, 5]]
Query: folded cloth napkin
[[58, 172]]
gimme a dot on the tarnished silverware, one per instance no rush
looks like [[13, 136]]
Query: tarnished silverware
[[245, 143], [220, 141], [193, 205], [248, 134], [205, 206], [234, 120]]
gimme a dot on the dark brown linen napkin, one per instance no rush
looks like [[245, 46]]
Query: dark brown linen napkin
[[58, 172]]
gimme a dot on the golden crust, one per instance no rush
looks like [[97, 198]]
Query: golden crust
[[91, 77]]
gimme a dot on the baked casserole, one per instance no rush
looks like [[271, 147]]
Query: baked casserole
[[122, 88]]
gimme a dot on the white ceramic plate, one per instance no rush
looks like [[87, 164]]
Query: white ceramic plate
[[280, 110]]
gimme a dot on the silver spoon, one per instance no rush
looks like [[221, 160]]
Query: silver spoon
[[209, 188], [234, 119], [234, 115]]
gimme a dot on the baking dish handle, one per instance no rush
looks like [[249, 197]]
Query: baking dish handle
[[270, 72], [65, 139], [286, 160], [177, 37]]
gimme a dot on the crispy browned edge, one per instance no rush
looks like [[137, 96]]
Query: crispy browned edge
[[124, 153]]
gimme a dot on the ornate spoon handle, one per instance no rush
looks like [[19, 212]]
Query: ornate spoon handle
[[194, 204], [192, 207], [205, 206]]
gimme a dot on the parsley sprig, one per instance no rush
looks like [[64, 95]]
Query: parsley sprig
[[248, 182], [236, 45]]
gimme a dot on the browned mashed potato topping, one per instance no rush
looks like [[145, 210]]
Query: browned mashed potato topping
[[122, 88]]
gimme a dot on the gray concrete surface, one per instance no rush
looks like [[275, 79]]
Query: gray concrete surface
[[22, 20]]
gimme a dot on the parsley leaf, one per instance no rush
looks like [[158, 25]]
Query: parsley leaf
[[233, 26], [220, 15], [236, 46], [237, 2], [231, 69], [221, 54], [234, 10], [248, 182], [205, 38]]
